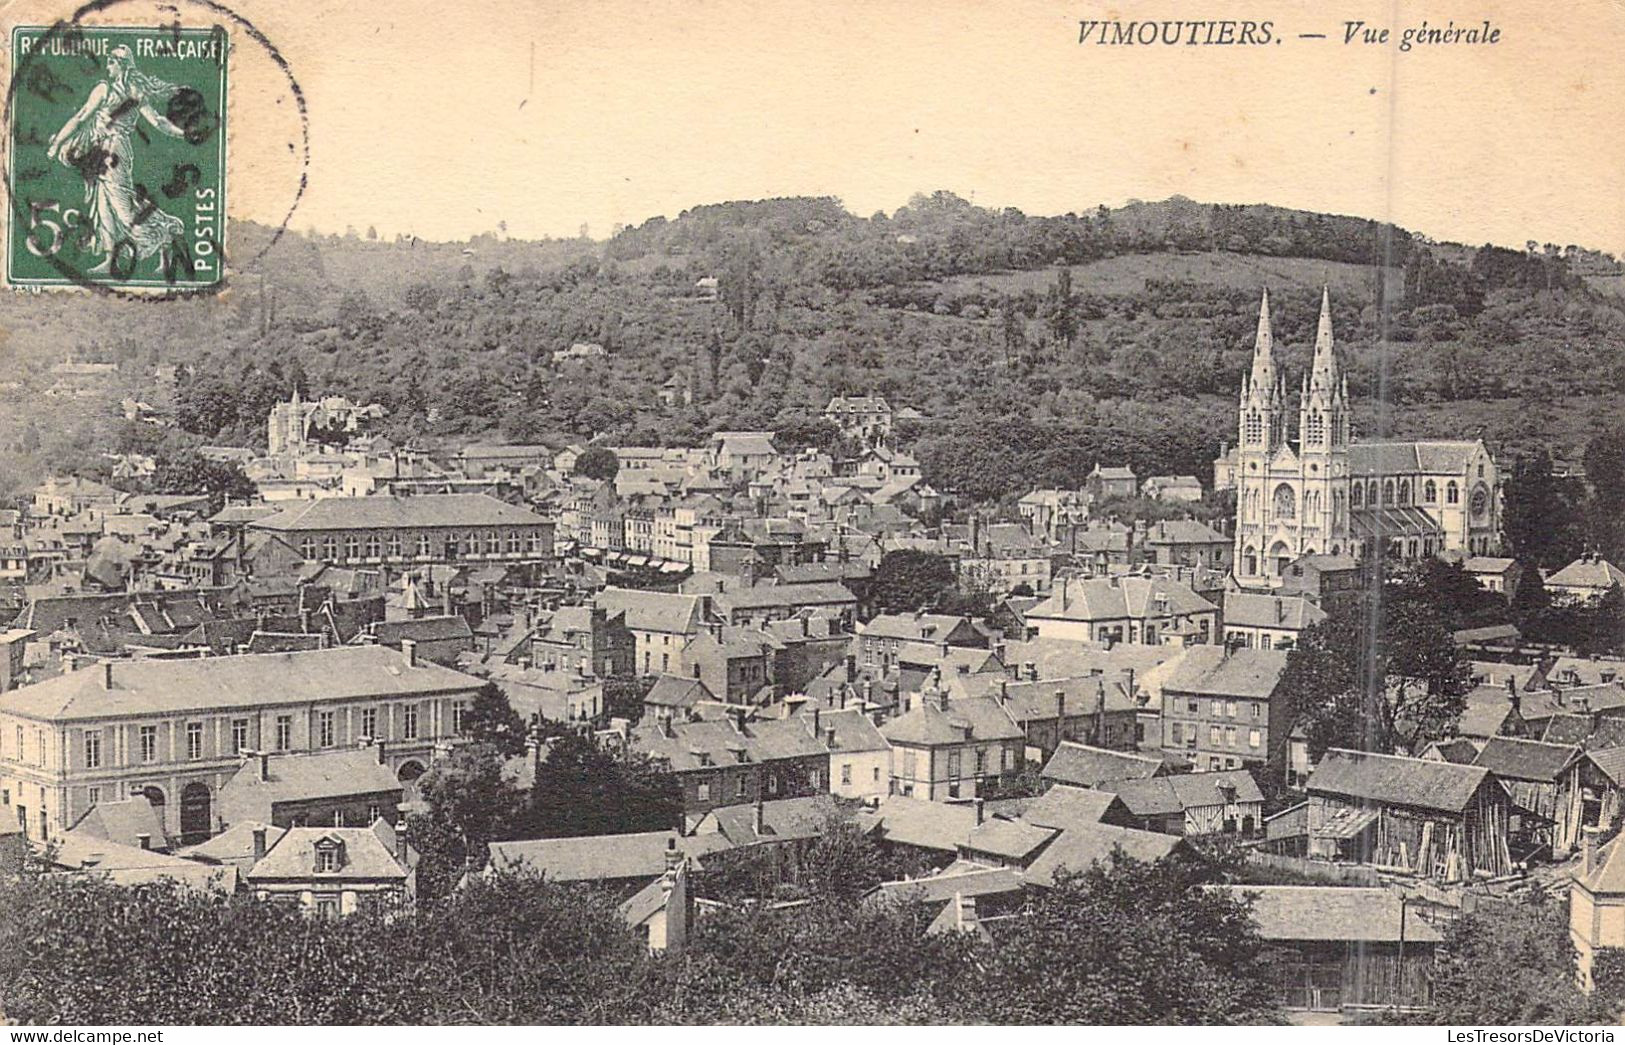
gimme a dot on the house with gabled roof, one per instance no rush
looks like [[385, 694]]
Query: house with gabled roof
[[1226, 802], [1220, 708], [1431, 818], [330, 872], [1586, 579], [1149, 610], [734, 760], [945, 749]]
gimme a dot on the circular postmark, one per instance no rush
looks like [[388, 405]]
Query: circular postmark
[[116, 149]]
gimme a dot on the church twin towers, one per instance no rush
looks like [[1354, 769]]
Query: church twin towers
[[1325, 494]]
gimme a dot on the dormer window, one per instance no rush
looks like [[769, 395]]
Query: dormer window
[[329, 855]]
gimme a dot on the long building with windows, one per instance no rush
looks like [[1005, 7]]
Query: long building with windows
[[406, 531], [1325, 493], [177, 730]]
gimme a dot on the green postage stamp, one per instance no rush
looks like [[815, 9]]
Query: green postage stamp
[[117, 157]]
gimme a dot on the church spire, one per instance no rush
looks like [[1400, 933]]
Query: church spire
[[1263, 376], [1323, 371]]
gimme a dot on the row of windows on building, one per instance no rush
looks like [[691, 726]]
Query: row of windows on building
[[1187, 734], [373, 546], [326, 735], [981, 767], [1218, 708], [703, 789]]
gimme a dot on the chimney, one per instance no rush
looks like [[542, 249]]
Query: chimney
[[259, 844], [759, 820], [829, 737], [1280, 610], [1588, 846], [409, 650], [943, 649], [380, 747], [1513, 697], [1060, 710], [738, 715], [145, 840], [1133, 693], [107, 674], [1031, 669], [1004, 691], [851, 667], [674, 856], [981, 806], [815, 723]]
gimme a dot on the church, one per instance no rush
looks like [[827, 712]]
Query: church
[[1326, 493]]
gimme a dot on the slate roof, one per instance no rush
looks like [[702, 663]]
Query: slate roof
[[123, 822], [1287, 612], [1208, 670], [651, 610], [767, 596], [1038, 701], [1077, 848], [1512, 758], [599, 858], [970, 719], [1114, 598], [677, 691], [961, 879], [369, 855], [905, 820], [720, 742], [1360, 914], [1398, 458], [233, 845], [1608, 875], [1064, 806], [1396, 780], [1611, 762], [386, 512], [1085, 766], [783, 820], [304, 778], [425, 629], [1184, 531], [1012, 839], [128, 865], [909, 627], [1588, 571], [853, 730], [151, 686]]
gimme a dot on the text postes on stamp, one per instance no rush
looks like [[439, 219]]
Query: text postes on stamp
[[117, 156]]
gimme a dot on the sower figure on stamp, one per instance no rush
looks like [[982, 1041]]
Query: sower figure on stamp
[[97, 141]]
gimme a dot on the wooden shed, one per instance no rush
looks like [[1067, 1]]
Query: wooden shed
[[1431, 818], [1545, 804]]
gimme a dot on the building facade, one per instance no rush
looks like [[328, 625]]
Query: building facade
[[1326, 494], [177, 730]]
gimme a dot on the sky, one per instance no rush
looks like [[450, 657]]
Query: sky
[[442, 120]]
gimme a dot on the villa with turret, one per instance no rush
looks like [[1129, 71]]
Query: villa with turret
[[1324, 492]]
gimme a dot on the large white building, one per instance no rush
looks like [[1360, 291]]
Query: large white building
[[1326, 493]]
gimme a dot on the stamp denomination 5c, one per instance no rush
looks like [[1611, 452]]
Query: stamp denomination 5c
[[117, 157]]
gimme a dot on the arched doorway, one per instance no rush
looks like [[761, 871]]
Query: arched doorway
[[1280, 556], [195, 822], [408, 775]]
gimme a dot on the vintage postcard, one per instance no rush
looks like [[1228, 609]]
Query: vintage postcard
[[676, 513]]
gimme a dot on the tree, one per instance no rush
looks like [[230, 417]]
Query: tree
[[1127, 943], [623, 697], [1393, 687], [189, 472], [598, 462], [909, 580], [582, 789], [490, 720], [471, 803], [1510, 963]]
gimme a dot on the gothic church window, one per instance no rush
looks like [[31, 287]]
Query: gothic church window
[[1404, 491], [1357, 495], [1286, 502], [1452, 494], [1371, 493], [1388, 491], [1430, 492]]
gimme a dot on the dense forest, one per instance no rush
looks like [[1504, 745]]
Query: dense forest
[[1032, 346]]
